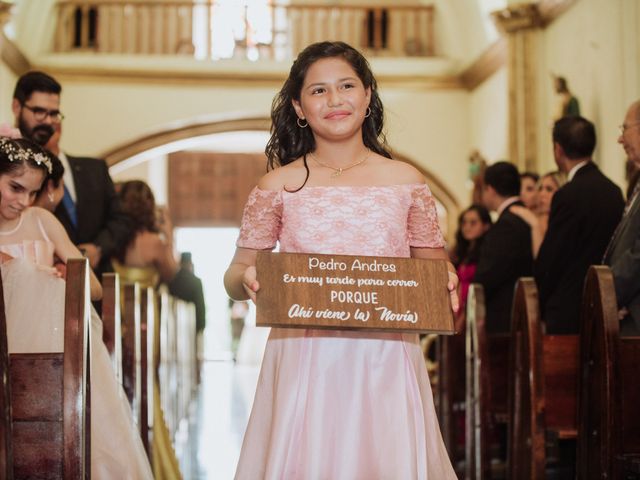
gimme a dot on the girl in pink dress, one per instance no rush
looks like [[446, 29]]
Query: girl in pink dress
[[338, 404], [34, 297]]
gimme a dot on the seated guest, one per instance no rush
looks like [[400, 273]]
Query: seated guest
[[584, 214], [473, 224], [147, 256], [538, 220], [29, 239], [505, 254], [529, 189]]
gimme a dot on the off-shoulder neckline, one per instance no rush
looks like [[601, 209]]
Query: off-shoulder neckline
[[343, 187]]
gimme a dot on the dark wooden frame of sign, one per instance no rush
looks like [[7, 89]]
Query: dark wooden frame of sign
[[275, 297]]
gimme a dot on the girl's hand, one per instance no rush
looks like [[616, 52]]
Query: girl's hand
[[452, 286], [50, 270], [249, 283]]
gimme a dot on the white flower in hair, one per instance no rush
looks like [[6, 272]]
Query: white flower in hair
[[16, 152]]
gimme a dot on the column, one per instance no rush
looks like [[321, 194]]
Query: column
[[520, 24]]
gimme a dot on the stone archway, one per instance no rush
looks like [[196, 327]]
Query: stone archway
[[201, 128]]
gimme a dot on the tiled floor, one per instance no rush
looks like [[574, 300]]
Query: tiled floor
[[211, 448]]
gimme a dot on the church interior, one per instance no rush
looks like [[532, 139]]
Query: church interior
[[179, 94]]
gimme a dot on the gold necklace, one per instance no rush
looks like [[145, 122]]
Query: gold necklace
[[337, 171]]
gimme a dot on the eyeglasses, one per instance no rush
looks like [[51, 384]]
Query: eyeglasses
[[623, 128], [41, 114]]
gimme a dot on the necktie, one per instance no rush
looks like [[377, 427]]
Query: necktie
[[70, 206]]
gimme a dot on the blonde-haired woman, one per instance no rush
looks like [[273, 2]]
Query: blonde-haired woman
[[548, 185]]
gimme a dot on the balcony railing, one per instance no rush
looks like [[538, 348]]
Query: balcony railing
[[250, 29]]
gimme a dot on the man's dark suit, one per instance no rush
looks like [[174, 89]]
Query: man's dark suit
[[188, 287], [623, 256], [584, 214], [100, 219], [505, 256]]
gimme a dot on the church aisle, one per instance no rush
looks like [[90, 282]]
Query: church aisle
[[210, 448]]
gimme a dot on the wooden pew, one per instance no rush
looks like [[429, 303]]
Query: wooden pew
[[167, 370], [486, 387], [6, 445], [451, 390], [46, 396], [131, 375], [112, 320], [186, 354], [609, 422], [542, 386], [147, 366], [177, 370]]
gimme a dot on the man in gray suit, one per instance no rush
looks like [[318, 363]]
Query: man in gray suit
[[623, 252]]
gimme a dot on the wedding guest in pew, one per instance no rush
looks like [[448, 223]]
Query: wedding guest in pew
[[529, 190], [473, 224], [623, 251], [538, 219], [147, 258], [338, 404], [505, 254], [584, 214], [147, 254], [32, 236]]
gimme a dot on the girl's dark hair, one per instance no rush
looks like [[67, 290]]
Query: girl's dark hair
[[138, 203], [17, 152], [57, 171], [288, 141], [466, 251]]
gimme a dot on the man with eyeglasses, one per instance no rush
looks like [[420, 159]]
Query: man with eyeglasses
[[90, 210], [623, 252]]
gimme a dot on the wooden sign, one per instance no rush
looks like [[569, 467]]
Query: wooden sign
[[352, 292]]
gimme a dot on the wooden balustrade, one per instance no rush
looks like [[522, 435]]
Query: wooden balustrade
[[191, 28]]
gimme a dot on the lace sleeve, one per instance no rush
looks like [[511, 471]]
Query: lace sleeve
[[261, 220], [424, 231]]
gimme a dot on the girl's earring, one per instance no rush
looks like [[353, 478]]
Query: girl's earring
[[300, 124], [368, 114], [50, 196]]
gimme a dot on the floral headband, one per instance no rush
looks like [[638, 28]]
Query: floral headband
[[16, 152]]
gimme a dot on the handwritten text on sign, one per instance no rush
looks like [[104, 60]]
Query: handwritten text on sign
[[342, 291]]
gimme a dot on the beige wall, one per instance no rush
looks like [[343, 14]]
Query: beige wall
[[421, 123], [488, 116], [7, 84], [596, 46]]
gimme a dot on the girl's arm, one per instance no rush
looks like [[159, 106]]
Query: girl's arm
[[64, 248], [240, 278], [441, 254]]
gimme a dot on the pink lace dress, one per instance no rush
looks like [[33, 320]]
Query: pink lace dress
[[34, 307], [334, 404]]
